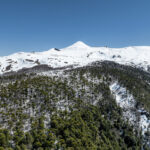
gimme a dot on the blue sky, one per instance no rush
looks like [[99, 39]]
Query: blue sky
[[37, 25]]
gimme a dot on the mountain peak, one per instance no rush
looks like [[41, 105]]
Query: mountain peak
[[79, 44]]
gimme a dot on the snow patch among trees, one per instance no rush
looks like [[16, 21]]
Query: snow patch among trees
[[136, 116]]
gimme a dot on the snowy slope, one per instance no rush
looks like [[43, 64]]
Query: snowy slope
[[78, 54], [126, 101]]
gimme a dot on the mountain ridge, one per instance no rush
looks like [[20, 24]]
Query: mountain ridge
[[78, 54]]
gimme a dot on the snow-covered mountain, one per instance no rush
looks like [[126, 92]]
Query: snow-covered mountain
[[110, 100], [78, 54]]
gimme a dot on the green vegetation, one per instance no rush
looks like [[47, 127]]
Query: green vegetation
[[75, 111]]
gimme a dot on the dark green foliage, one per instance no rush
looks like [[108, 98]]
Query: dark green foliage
[[75, 111]]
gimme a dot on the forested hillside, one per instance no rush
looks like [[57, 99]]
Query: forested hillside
[[73, 109]]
